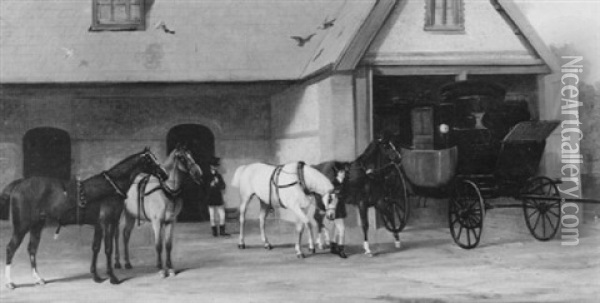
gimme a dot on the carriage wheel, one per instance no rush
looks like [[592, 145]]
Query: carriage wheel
[[396, 210], [542, 215], [466, 212]]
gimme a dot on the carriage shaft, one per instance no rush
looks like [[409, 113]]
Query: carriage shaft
[[542, 197]]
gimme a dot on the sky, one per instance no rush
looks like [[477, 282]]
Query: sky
[[575, 22]]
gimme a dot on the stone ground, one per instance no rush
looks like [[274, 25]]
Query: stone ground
[[508, 266]]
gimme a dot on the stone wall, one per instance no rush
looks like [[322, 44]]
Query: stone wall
[[108, 122]]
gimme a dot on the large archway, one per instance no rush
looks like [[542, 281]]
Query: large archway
[[47, 153], [201, 141]]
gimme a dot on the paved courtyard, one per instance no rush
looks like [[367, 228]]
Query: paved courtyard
[[508, 266]]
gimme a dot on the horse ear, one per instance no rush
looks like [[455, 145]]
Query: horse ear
[[146, 149]]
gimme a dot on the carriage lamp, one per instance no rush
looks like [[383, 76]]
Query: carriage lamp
[[444, 128]]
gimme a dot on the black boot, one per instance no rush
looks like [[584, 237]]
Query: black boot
[[214, 231], [333, 248], [222, 232], [340, 252]]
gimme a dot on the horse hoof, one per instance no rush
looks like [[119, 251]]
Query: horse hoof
[[300, 256], [97, 279], [162, 274], [172, 273], [369, 254], [118, 265], [128, 266], [313, 251], [11, 286], [40, 282], [114, 281], [320, 246], [398, 244], [242, 246], [268, 246]]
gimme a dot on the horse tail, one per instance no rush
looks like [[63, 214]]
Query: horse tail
[[5, 199], [236, 176]]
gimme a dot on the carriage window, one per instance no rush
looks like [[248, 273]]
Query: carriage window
[[118, 15], [444, 15]]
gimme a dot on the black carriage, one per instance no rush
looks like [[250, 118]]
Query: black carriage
[[473, 147]]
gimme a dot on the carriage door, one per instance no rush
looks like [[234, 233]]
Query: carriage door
[[201, 141], [47, 153]]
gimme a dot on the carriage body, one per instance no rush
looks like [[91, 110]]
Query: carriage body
[[484, 148]]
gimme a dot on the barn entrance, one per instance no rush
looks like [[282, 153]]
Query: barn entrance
[[47, 153], [201, 141], [395, 99]]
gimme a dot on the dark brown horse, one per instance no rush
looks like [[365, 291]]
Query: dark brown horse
[[97, 200], [364, 186]]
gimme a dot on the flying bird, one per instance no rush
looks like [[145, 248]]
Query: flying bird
[[302, 40], [327, 24], [163, 26]]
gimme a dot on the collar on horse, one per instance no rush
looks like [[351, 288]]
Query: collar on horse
[[113, 184], [274, 186], [171, 193]]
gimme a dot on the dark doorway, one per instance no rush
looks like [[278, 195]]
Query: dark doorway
[[47, 153], [201, 141]]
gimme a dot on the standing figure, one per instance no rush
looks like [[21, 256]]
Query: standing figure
[[214, 199], [336, 172]]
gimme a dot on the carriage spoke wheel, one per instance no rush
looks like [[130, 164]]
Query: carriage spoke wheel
[[542, 215], [466, 212], [395, 212]]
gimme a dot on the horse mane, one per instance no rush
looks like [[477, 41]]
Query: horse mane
[[316, 181], [126, 159], [369, 152]]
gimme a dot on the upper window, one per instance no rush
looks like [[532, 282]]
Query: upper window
[[118, 15], [444, 15]]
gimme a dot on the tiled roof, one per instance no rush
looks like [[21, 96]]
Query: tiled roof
[[214, 40]]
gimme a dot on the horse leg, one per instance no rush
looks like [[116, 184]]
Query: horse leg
[[311, 235], [34, 242], [299, 229], [117, 256], [169, 228], [364, 220], [17, 237], [263, 217], [129, 223], [318, 223], [243, 207], [158, 244], [301, 222], [109, 235], [95, 250], [384, 210]]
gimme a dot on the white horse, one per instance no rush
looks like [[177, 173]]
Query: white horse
[[159, 204], [289, 186]]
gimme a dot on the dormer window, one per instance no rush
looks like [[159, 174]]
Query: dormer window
[[444, 15], [118, 15]]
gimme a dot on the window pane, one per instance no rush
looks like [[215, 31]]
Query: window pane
[[104, 13], [135, 13], [121, 13], [450, 16]]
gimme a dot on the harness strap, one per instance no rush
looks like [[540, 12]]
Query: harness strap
[[301, 179], [141, 195], [113, 184]]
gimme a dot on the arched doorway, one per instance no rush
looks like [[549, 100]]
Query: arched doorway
[[47, 153], [201, 141]]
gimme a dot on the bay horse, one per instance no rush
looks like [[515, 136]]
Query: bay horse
[[288, 186], [97, 200], [364, 186], [160, 204]]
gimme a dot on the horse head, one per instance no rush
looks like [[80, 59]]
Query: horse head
[[151, 166], [185, 163]]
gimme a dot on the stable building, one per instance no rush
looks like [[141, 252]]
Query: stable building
[[86, 83]]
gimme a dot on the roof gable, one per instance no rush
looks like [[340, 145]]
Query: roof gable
[[487, 39]]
